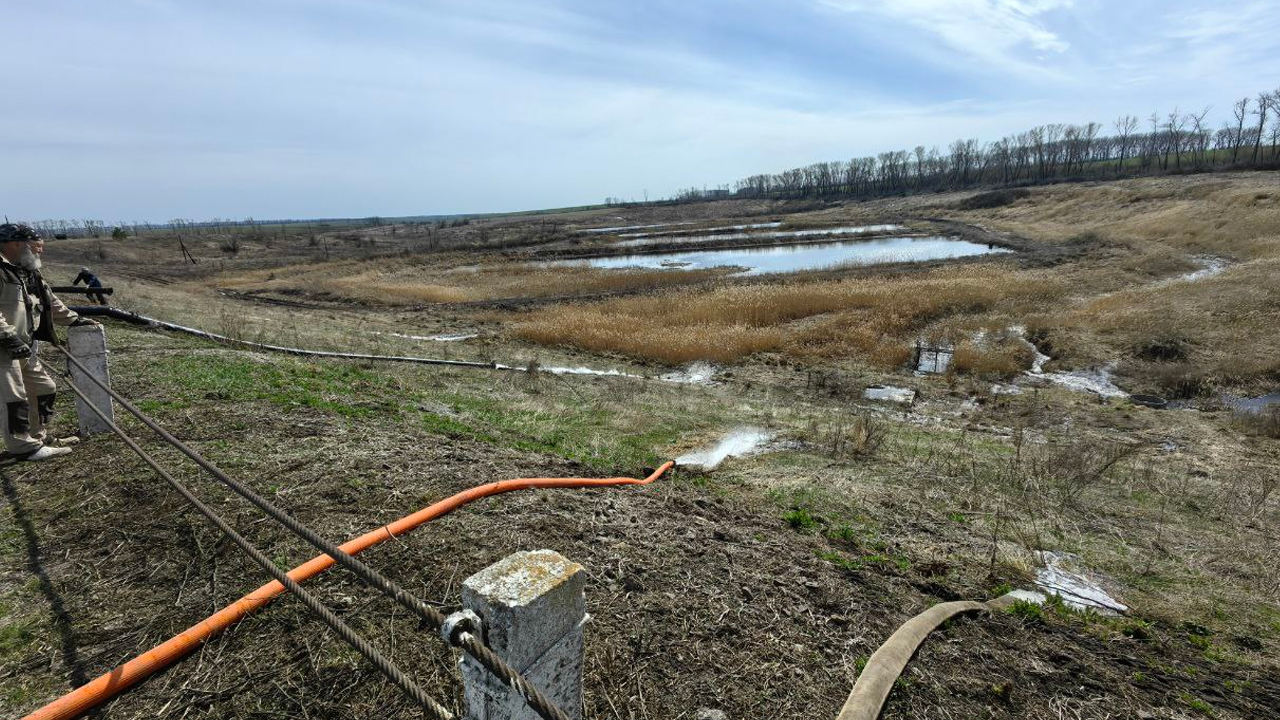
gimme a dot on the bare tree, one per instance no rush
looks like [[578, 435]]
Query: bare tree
[[1199, 136], [1125, 126], [1264, 104], [1241, 111]]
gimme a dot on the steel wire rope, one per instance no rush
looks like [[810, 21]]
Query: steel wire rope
[[362, 646], [463, 638]]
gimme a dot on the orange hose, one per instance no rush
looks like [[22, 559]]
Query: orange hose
[[105, 687]]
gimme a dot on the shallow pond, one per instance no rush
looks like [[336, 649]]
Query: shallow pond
[[648, 238], [794, 258]]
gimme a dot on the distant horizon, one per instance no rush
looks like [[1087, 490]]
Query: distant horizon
[[161, 109]]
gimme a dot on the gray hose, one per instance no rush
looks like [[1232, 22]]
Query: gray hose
[[136, 319]]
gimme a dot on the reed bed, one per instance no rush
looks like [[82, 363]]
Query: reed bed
[[871, 318]]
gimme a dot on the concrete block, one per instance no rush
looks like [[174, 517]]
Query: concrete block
[[88, 344], [533, 607]]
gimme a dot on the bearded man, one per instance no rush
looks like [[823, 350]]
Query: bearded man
[[28, 312]]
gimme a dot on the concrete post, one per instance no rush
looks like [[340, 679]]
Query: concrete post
[[88, 344], [533, 609]]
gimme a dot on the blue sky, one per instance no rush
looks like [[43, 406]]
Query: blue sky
[[156, 109]]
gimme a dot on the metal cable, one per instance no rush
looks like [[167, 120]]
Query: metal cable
[[118, 314], [540, 704], [370, 653]]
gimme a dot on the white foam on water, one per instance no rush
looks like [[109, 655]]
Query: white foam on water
[[1096, 380], [557, 370], [1076, 589], [741, 442], [698, 373], [585, 371], [888, 393]]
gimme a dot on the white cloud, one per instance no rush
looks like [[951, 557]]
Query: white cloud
[[161, 108], [998, 33]]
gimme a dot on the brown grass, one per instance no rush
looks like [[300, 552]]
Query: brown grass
[[401, 283], [868, 318]]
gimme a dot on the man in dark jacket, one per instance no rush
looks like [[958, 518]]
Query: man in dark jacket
[[28, 312], [92, 281]]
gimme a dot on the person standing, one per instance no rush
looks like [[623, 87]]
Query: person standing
[[28, 312], [90, 280]]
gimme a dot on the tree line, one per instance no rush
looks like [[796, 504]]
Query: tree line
[[1172, 142]]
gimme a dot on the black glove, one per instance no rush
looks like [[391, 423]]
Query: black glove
[[82, 322], [18, 350]]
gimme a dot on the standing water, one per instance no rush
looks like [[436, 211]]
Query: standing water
[[794, 258]]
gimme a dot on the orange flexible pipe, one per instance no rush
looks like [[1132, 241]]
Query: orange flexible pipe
[[105, 687]]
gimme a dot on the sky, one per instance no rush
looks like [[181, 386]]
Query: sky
[[147, 110]]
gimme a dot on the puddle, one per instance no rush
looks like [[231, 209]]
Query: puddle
[[781, 234], [887, 393], [1075, 589], [755, 226], [1256, 405], [632, 227], [795, 258], [698, 373], [741, 442]]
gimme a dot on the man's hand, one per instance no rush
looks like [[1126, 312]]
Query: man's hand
[[18, 350], [82, 322]]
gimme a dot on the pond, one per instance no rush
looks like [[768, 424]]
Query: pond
[[795, 258], [647, 239]]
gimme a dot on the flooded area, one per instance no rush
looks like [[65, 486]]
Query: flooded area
[[795, 258], [645, 239]]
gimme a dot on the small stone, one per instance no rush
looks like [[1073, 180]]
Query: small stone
[[709, 714]]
